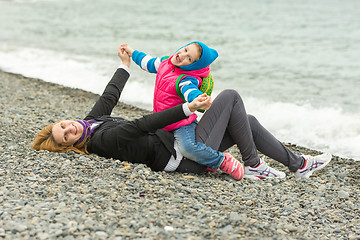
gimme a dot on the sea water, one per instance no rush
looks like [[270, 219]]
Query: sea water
[[296, 63]]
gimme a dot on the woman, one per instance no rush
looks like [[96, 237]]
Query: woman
[[142, 140]]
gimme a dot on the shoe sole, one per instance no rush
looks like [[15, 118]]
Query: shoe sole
[[261, 177], [253, 177]]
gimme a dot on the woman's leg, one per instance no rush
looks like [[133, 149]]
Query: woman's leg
[[267, 144], [243, 130], [189, 166], [227, 113]]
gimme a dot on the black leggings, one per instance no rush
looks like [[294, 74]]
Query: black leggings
[[226, 123]]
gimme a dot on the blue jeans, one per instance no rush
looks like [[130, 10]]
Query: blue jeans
[[197, 151]]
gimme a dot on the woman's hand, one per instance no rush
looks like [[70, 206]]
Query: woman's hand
[[124, 56], [127, 48], [202, 101]]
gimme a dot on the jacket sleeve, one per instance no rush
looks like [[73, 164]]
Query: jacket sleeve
[[146, 62], [189, 89], [130, 130], [110, 97]]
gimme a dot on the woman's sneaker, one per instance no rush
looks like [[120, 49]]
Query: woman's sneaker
[[232, 167], [313, 164], [263, 170]]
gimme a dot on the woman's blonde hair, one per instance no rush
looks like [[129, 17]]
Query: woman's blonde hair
[[45, 141]]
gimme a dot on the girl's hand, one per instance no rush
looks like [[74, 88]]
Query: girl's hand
[[127, 48], [202, 101], [124, 56]]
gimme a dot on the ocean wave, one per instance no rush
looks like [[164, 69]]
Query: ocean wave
[[326, 129]]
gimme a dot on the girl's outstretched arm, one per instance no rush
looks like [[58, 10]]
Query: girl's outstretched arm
[[144, 61]]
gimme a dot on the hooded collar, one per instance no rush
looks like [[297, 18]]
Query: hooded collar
[[208, 55]]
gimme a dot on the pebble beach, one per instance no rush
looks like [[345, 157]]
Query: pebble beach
[[47, 195]]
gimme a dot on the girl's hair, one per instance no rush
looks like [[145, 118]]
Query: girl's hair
[[45, 141]]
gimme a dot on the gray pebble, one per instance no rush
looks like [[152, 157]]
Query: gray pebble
[[343, 194], [101, 234], [290, 228]]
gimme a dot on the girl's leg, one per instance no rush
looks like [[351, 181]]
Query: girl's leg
[[204, 155], [196, 151]]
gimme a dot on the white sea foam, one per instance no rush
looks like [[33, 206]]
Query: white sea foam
[[325, 129]]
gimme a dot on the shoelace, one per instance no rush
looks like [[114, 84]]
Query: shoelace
[[265, 172], [315, 164]]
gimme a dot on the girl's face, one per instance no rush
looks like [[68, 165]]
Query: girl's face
[[186, 55], [66, 132]]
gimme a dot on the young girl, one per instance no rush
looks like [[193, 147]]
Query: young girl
[[178, 79]]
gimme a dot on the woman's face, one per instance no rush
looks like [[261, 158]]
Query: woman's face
[[186, 55], [67, 132]]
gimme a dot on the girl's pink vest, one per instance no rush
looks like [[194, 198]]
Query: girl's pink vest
[[165, 95]]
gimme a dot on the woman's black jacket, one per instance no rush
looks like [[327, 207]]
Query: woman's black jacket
[[137, 141]]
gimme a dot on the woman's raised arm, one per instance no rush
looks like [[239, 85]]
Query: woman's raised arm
[[110, 97]]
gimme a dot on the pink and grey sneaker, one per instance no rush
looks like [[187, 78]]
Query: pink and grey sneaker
[[232, 166], [262, 171], [313, 164]]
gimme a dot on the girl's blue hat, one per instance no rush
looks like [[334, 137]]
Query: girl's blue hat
[[208, 55]]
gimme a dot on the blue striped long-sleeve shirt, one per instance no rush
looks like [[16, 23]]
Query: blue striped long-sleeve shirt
[[188, 85]]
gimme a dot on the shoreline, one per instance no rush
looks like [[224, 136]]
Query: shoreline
[[57, 195], [133, 109]]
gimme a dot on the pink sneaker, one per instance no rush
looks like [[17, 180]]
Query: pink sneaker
[[232, 167]]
